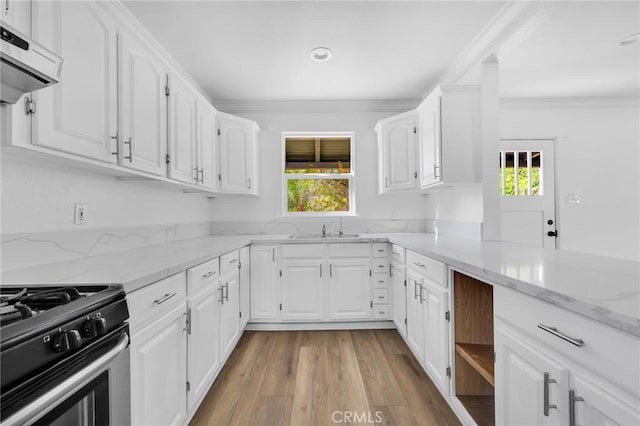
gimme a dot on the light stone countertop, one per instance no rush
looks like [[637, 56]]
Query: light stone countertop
[[604, 289]]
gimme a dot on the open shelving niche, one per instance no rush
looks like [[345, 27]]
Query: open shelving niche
[[474, 351]]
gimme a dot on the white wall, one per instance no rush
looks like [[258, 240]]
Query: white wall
[[369, 204], [37, 198], [596, 157]]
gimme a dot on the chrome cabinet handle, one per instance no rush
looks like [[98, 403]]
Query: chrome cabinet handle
[[273, 254], [321, 270], [415, 289], [381, 266], [113, 137], [386, 181], [209, 274], [552, 330], [202, 175], [330, 270], [39, 407], [380, 250], [130, 143], [164, 299], [221, 295], [421, 291], [227, 292], [545, 401], [572, 406], [418, 264], [196, 178], [249, 183], [390, 271]]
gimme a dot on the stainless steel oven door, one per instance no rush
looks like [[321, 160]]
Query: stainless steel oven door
[[97, 394]]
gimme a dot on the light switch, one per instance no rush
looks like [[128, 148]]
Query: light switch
[[572, 198]]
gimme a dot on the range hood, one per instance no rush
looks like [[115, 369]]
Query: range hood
[[25, 66]]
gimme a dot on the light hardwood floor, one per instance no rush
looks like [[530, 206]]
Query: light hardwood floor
[[316, 377]]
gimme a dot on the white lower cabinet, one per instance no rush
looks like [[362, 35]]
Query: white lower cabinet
[[415, 315], [302, 290], [158, 370], [399, 297], [554, 367], [229, 312], [349, 289], [523, 376], [245, 286], [436, 349], [265, 296], [203, 342]]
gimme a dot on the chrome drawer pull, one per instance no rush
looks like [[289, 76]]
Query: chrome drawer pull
[[577, 342], [164, 299], [418, 264], [207, 275], [572, 406], [545, 402]]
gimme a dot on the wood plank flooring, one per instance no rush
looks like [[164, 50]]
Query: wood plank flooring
[[300, 378]]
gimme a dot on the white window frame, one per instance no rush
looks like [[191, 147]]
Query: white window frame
[[348, 176]]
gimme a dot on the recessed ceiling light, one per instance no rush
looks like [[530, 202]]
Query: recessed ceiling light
[[321, 54], [628, 40]]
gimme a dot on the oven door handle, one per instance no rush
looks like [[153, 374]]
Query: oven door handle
[[39, 407]]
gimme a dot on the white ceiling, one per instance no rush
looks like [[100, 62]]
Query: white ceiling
[[575, 52], [382, 50]]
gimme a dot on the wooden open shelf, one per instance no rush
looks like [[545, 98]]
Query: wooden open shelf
[[480, 357]]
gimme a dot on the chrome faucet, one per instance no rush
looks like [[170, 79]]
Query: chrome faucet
[[324, 231]]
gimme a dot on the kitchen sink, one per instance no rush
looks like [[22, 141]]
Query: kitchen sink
[[320, 237]]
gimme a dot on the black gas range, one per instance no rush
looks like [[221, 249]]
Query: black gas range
[[64, 356]]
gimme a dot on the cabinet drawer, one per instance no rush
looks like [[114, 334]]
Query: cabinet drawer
[[607, 352], [300, 251], [380, 281], [380, 250], [432, 269], [398, 253], [349, 250], [203, 274], [381, 266], [155, 299], [380, 296], [381, 311], [229, 261]]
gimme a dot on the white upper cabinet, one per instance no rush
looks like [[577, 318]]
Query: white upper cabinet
[[79, 114], [237, 138], [450, 136], [143, 107], [207, 155], [397, 148], [17, 14], [182, 131]]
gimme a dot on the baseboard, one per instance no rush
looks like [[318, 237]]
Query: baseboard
[[289, 326]]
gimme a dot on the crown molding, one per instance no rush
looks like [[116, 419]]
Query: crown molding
[[326, 107], [527, 103]]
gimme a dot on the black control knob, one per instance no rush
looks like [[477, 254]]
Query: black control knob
[[67, 340], [552, 233], [94, 327]]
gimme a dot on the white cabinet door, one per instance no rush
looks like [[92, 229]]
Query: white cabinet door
[[436, 348], [245, 285], [415, 314], [520, 382], [79, 114], [159, 371], [182, 132], [18, 15], [302, 289], [206, 146], [236, 141], [143, 107], [399, 297], [596, 406], [429, 117], [229, 312], [398, 151], [349, 290], [203, 341], [265, 291]]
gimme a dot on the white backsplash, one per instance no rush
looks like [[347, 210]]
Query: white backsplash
[[466, 230], [350, 225], [24, 250]]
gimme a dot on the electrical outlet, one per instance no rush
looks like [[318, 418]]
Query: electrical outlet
[[572, 198], [80, 214]]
